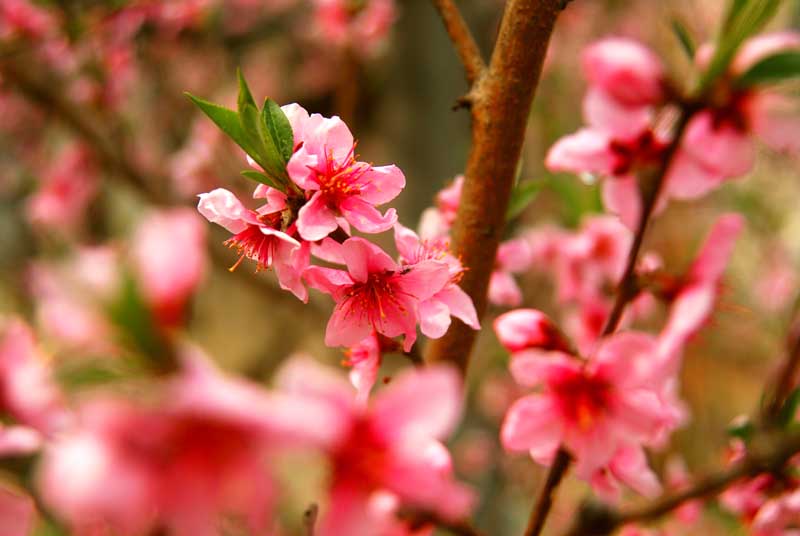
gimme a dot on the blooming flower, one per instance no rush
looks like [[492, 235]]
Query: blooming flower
[[601, 411], [375, 294], [340, 189], [365, 360], [387, 448], [435, 311], [513, 256], [523, 329], [258, 236]]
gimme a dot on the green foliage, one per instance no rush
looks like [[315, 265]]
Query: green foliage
[[684, 38], [743, 429], [135, 323], [265, 134], [789, 409], [521, 196], [744, 18], [772, 69]]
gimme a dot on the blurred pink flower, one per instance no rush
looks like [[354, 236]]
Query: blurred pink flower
[[602, 411], [524, 329], [68, 186], [448, 199], [169, 255], [513, 256], [435, 311], [191, 166], [694, 299], [365, 360], [22, 18], [375, 294], [338, 186], [17, 513], [258, 236], [28, 392], [362, 25], [390, 447]]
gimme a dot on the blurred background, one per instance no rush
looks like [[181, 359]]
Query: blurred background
[[95, 133]]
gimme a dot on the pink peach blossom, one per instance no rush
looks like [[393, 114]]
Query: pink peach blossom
[[435, 311], [390, 446], [448, 199], [523, 329], [169, 255], [363, 27], [17, 513], [375, 293], [337, 185], [365, 360], [513, 256], [258, 236], [601, 411]]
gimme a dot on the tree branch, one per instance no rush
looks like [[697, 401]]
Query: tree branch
[[462, 39], [595, 520], [545, 500], [787, 374], [501, 101]]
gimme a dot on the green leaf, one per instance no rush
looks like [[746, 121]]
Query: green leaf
[[684, 38], [772, 69], [227, 120], [279, 128], [789, 409], [521, 196], [257, 176], [741, 428], [745, 18], [135, 322], [266, 153], [245, 97]]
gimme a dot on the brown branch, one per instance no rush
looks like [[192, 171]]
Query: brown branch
[[787, 374], [501, 101], [462, 39], [595, 520], [546, 496], [627, 288]]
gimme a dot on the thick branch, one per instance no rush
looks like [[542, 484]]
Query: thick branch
[[464, 43], [598, 521], [500, 106]]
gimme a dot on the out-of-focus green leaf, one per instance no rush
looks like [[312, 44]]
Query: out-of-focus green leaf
[[135, 322], [684, 38], [257, 176], [744, 18], [521, 196], [743, 429], [772, 69], [789, 409], [279, 128], [95, 372]]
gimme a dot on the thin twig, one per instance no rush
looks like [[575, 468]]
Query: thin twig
[[787, 374], [595, 520], [545, 501], [627, 288], [465, 45]]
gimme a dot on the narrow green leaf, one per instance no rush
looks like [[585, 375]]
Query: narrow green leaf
[[257, 176], [279, 128], [772, 69], [684, 38], [741, 428], [733, 12], [522, 196], [227, 120], [265, 152], [245, 97], [789, 409], [135, 322]]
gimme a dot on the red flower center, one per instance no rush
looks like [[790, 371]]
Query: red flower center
[[339, 180], [583, 398], [374, 298], [642, 151]]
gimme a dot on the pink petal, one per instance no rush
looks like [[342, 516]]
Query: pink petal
[[720, 148], [327, 280], [348, 513], [316, 220], [382, 184], [460, 305], [220, 206], [757, 48], [17, 513], [630, 466], [301, 168], [347, 328], [527, 328], [689, 179], [585, 151], [19, 440], [716, 252], [303, 376], [621, 196], [362, 258], [625, 69], [776, 120], [616, 120], [532, 424], [425, 279], [503, 290], [297, 116], [531, 368], [514, 255], [365, 217], [434, 318], [290, 265], [419, 404], [407, 242]]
